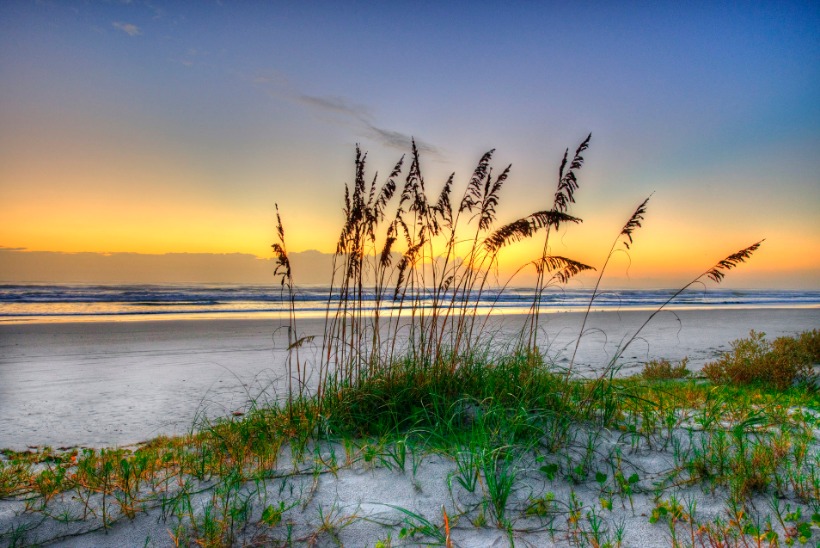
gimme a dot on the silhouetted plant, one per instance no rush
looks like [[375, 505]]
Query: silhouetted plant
[[624, 236], [429, 265], [283, 271]]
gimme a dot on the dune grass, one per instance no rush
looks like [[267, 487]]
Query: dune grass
[[531, 449], [502, 422]]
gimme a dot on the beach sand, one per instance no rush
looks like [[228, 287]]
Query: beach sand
[[103, 384], [99, 384]]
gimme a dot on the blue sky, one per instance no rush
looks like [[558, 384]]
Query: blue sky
[[160, 127]]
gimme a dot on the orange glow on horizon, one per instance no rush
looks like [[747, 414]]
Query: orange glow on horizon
[[79, 205], [150, 228]]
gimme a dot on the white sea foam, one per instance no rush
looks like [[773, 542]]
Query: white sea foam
[[27, 302]]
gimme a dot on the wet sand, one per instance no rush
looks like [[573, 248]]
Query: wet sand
[[117, 383]]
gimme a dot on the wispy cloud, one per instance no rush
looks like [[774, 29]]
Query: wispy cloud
[[127, 28], [400, 140], [361, 115], [338, 105], [345, 111]]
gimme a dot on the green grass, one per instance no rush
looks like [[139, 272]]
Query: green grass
[[493, 417]]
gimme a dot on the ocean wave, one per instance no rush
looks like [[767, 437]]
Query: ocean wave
[[26, 300]]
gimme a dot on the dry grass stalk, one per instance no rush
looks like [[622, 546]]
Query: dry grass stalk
[[429, 265], [624, 236]]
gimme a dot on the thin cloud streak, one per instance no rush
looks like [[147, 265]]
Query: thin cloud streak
[[358, 116], [387, 137], [127, 28], [335, 104], [400, 141]]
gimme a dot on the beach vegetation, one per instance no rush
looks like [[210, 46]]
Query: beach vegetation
[[239, 477], [417, 383], [663, 369], [779, 363]]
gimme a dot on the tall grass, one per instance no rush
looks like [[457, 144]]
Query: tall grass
[[430, 262]]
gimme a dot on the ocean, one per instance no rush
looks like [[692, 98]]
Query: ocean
[[77, 302]]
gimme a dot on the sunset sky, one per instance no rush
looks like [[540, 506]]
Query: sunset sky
[[173, 127]]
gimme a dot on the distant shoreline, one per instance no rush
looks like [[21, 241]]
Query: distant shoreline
[[27, 303], [265, 315]]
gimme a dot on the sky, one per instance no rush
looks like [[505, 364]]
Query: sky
[[148, 131]]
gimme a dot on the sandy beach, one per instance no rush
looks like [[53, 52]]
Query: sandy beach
[[105, 384], [102, 384]]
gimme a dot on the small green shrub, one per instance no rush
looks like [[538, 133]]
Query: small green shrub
[[658, 370], [810, 343], [755, 360]]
